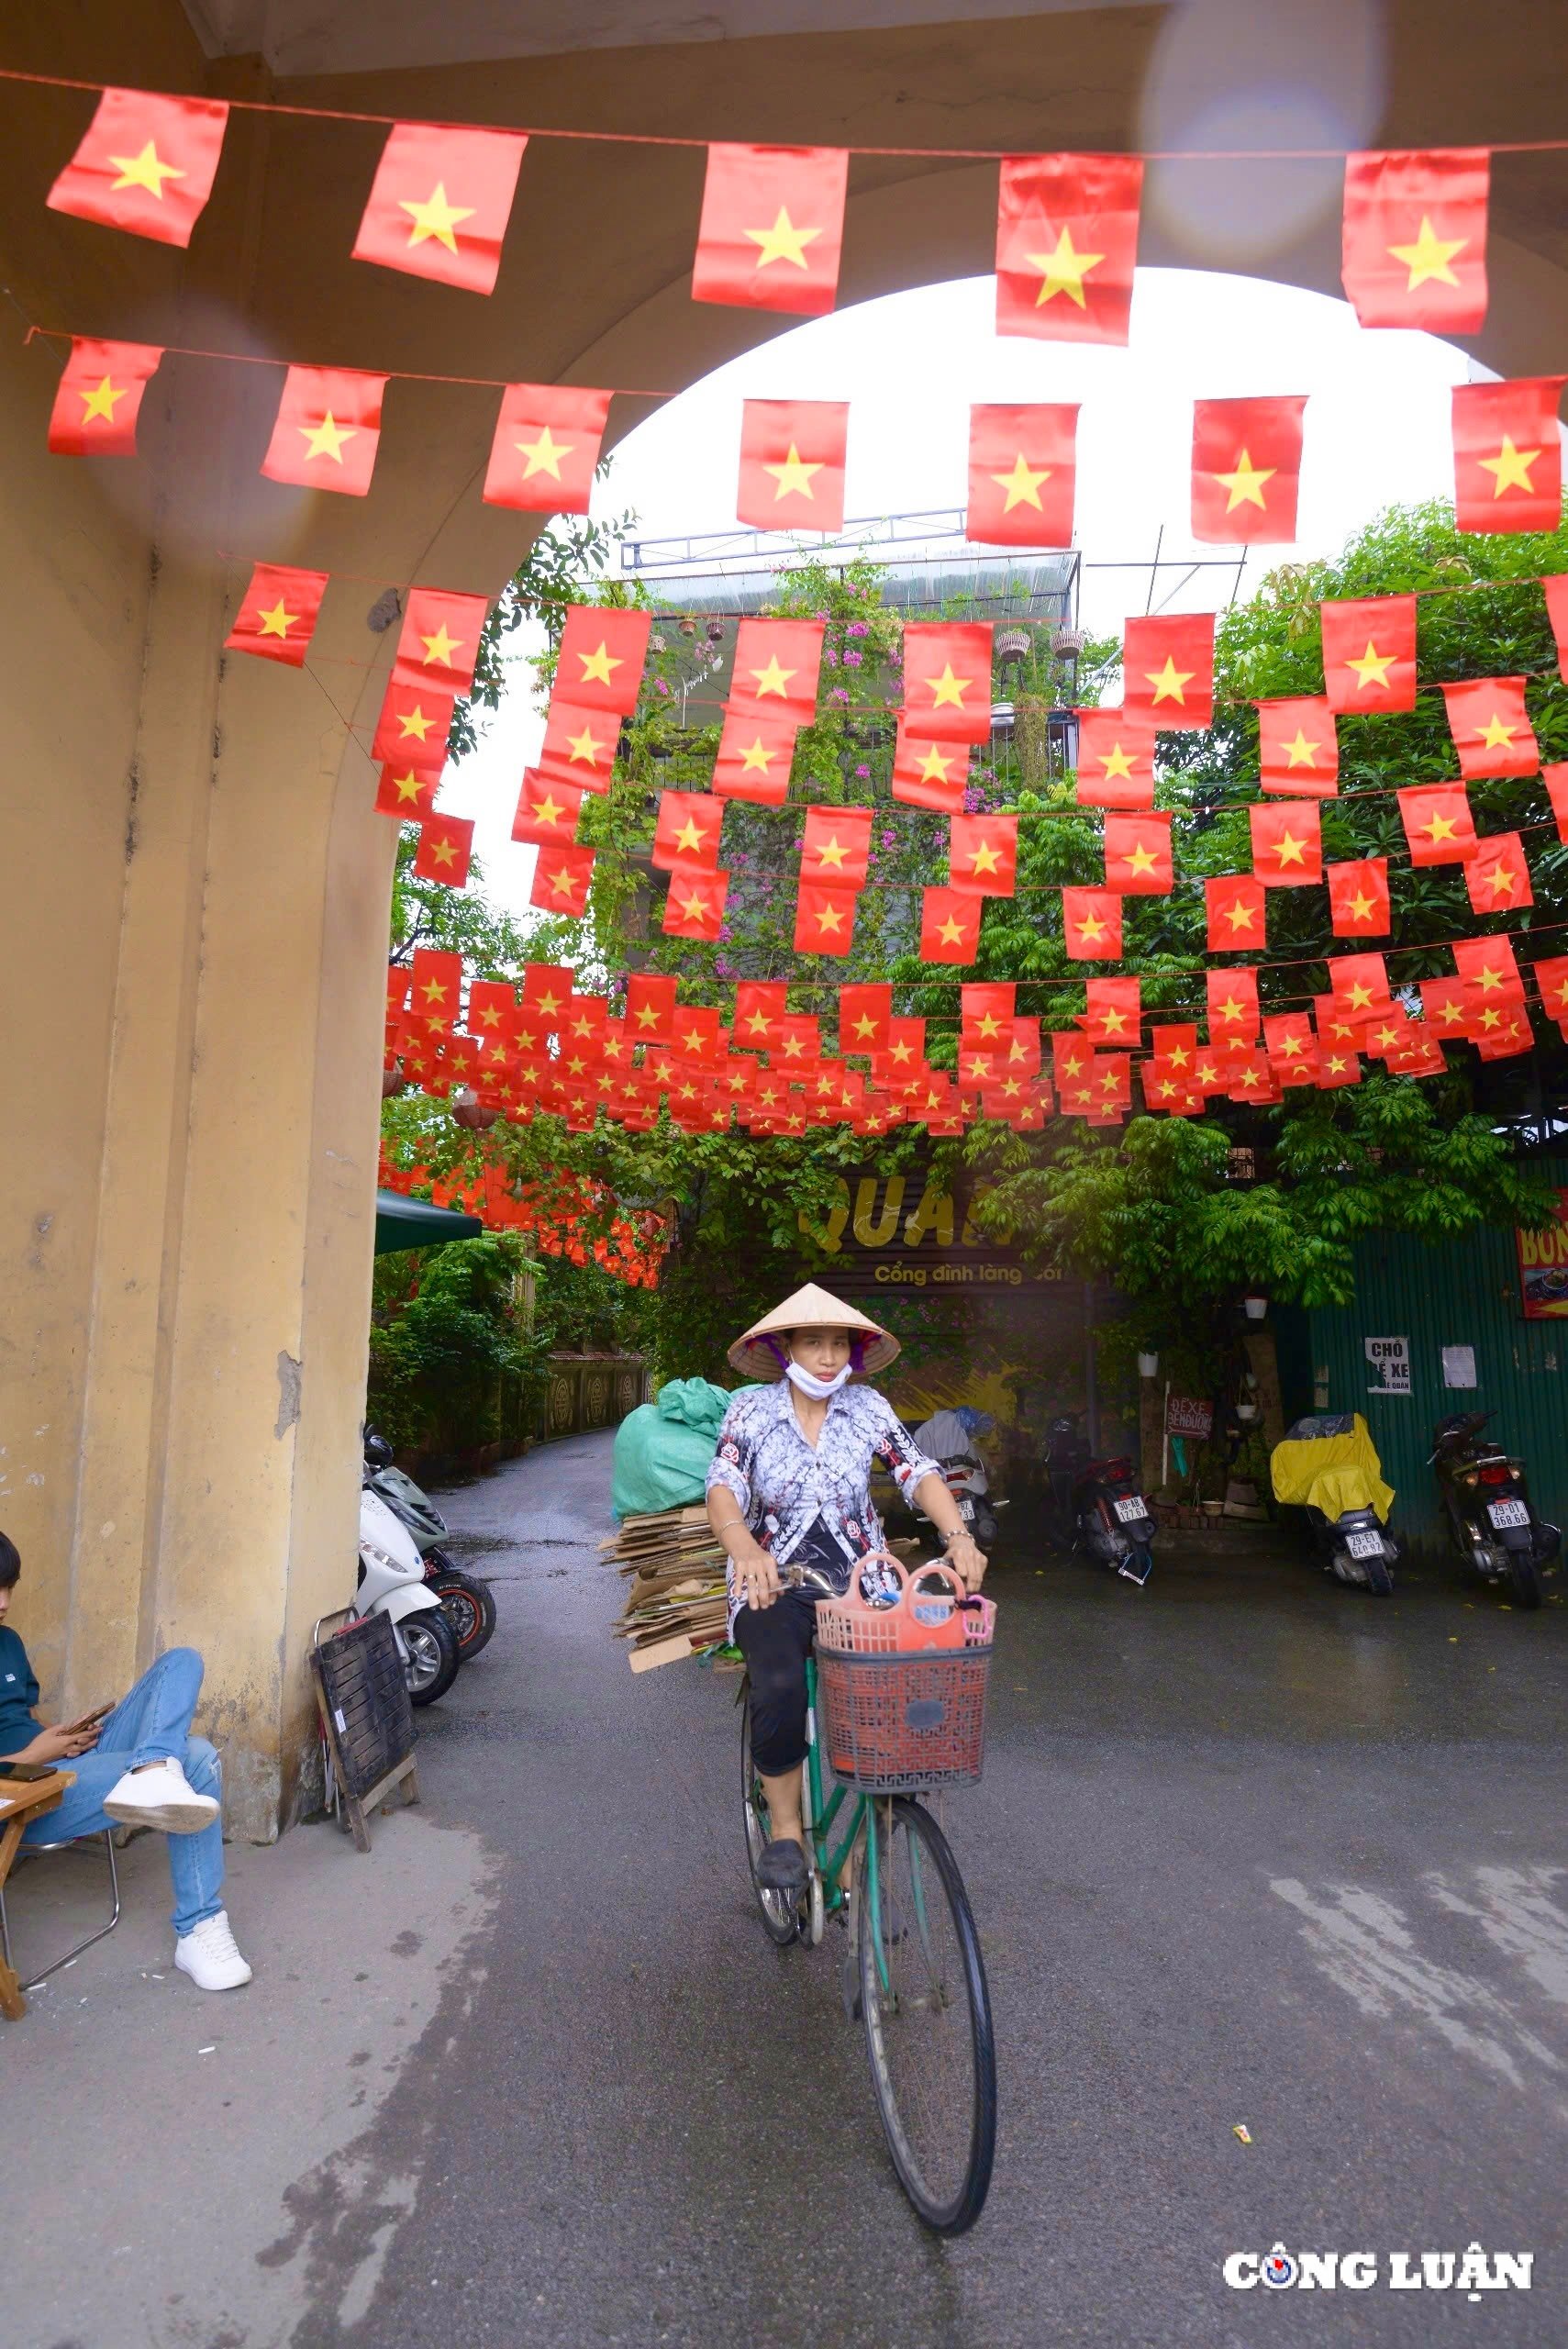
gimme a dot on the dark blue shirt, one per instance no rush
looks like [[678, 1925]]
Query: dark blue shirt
[[19, 1695]]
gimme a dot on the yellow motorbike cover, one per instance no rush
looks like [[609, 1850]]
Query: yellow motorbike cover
[[1333, 1472]]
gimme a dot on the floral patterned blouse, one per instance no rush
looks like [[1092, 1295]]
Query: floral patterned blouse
[[799, 1499]]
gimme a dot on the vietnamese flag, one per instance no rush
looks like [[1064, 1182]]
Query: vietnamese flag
[[1358, 898], [547, 810], [98, 398], [949, 925], [836, 845], [276, 618], [146, 164], [1437, 823], [492, 1008], [947, 680], [1552, 978], [439, 203], [792, 464], [772, 227], [983, 854], [1359, 984], [824, 918], [1369, 653], [1168, 669], [695, 1034], [986, 1010], [650, 1008], [413, 727], [1491, 727], [1067, 245], [1115, 758], [1299, 746], [755, 754], [1489, 965], [561, 884], [1234, 904], [1022, 472], [1113, 1012], [546, 448], [777, 664], [328, 430], [1287, 844], [1246, 470], [403, 793], [799, 1043], [1451, 1007], [864, 1013], [1091, 925], [603, 649], [1174, 1047], [1555, 589], [1508, 457], [1232, 997], [1556, 781], [438, 643], [1414, 239], [1337, 1064], [1137, 855], [695, 907], [1497, 876], [446, 844], [760, 1005], [579, 745], [905, 1050], [686, 836], [1292, 1047], [929, 774], [547, 989], [436, 984]]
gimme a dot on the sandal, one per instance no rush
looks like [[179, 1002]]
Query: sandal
[[781, 1866]]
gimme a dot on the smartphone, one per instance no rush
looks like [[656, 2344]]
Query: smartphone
[[91, 1720], [28, 1771]]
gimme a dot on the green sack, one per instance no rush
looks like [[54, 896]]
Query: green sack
[[662, 1449]]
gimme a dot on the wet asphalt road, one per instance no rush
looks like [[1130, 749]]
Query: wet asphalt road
[[1249, 1848]]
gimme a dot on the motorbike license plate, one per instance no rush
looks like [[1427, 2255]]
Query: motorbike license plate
[[1132, 1511], [1507, 1512], [1364, 1546]]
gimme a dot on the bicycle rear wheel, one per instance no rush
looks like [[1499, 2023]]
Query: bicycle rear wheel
[[781, 1911], [927, 2012]]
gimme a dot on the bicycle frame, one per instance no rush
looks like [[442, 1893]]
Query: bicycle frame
[[819, 1816]]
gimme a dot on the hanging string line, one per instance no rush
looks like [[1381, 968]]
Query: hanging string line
[[673, 138]]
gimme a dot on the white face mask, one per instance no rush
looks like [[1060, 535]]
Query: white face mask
[[819, 1389]]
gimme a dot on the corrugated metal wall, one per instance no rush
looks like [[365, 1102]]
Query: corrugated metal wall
[[1463, 1294]]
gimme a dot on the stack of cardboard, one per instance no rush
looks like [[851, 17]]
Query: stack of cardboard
[[675, 1602]]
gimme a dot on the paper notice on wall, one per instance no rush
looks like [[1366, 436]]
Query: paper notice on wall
[[1388, 1360], [1458, 1366]]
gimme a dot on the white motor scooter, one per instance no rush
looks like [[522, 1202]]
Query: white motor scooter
[[392, 1583]]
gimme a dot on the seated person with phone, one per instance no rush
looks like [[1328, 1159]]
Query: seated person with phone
[[136, 1763]]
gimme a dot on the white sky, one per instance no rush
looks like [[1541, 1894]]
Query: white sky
[[1377, 433]]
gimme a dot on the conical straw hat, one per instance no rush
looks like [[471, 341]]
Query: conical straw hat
[[809, 1308]]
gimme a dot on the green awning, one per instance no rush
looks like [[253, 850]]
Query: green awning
[[414, 1223]]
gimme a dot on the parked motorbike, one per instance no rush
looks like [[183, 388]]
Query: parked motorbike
[[1490, 1514], [1112, 1522], [469, 1606], [392, 1583], [946, 1439], [1066, 1458], [1327, 1466]]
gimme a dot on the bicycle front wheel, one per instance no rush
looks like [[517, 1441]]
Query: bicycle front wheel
[[928, 2016]]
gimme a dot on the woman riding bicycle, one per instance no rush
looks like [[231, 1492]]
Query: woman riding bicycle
[[790, 1486]]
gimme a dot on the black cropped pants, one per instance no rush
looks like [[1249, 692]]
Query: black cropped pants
[[775, 1641]]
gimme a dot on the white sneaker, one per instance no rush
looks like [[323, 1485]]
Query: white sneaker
[[162, 1797], [207, 1953]]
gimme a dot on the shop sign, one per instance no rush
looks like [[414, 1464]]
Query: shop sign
[[1388, 1360], [1185, 1415], [910, 1231], [1543, 1268]]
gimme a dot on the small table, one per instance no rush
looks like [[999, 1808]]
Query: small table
[[21, 1801]]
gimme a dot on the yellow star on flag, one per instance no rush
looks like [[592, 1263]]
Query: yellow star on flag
[[1440, 827], [445, 853], [832, 852], [695, 908], [1245, 484], [1503, 881], [439, 648], [548, 810], [544, 454], [278, 622], [562, 882], [1496, 735], [830, 919], [989, 1024], [647, 1017], [1288, 848], [1361, 906], [1062, 271], [934, 766], [583, 749], [1373, 667], [1429, 256], [1113, 1021], [793, 475], [1361, 996], [327, 438], [1491, 1018], [1292, 1047], [1238, 916], [408, 786], [102, 400], [783, 241], [985, 859], [1178, 1056], [951, 932], [1488, 980], [1299, 753], [1510, 467], [689, 837], [759, 1023], [1022, 484], [756, 758], [598, 663], [865, 1025], [1168, 682], [901, 1052], [434, 990], [1338, 1064], [1139, 860], [548, 1005], [948, 691], [773, 678], [414, 723], [1091, 928], [145, 169], [435, 217], [1117, 762], [1230, 1009]]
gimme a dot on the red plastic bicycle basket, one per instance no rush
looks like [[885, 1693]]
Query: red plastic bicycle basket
[[895, 1723]]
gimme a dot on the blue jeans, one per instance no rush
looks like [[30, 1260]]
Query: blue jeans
[[153, 1723]]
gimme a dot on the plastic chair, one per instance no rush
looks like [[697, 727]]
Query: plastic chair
[[67, 1844]]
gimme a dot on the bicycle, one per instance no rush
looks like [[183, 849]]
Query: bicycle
[[914, 1971]]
